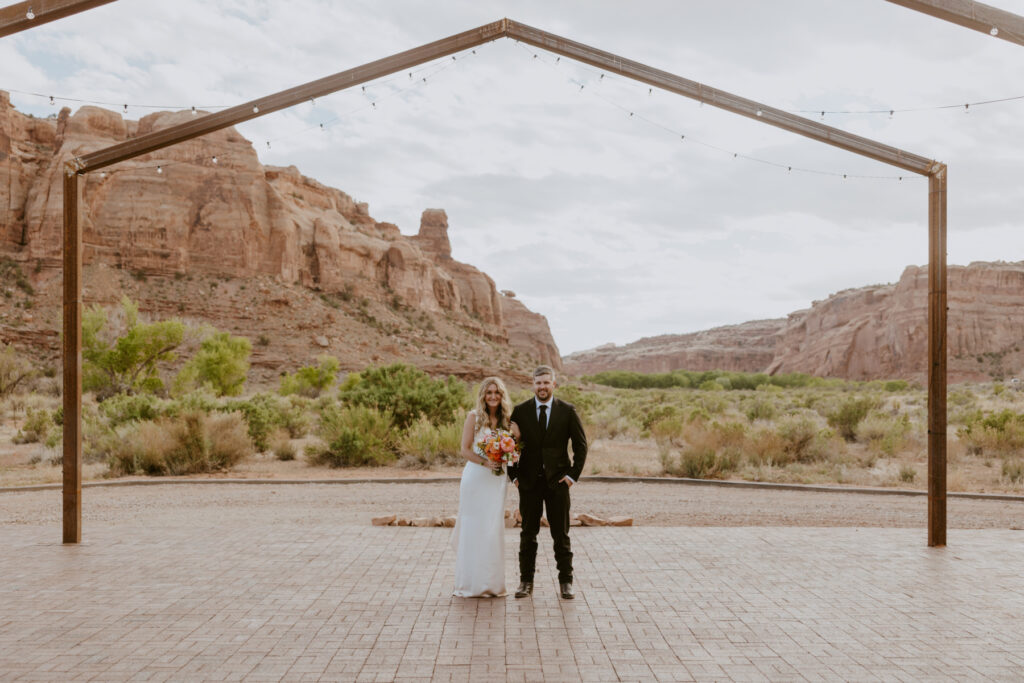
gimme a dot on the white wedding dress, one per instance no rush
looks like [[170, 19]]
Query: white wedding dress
[[479, 533]]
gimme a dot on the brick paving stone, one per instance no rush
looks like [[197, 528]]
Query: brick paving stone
[[254, 598]]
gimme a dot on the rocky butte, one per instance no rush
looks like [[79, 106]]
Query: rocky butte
[[203, 231], [876, 332]]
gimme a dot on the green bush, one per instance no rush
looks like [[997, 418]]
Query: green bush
[[849, 414], [994, 433], [123, 408], [705, 463], [908, 473], [760, 409], [311, 380], [127, 363], [354, 436], [425, 444], [222, 362], [282, 445], [1013, 470], [38, 424], [883, 432], [406, 393], [15, 370]]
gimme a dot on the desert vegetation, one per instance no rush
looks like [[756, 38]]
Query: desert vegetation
[[166, 399]]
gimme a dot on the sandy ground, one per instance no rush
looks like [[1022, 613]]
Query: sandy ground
[[650, 504]]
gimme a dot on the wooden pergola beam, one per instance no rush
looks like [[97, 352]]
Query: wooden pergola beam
[[14, 18], [972, 15], [762, 113], [752, 109]]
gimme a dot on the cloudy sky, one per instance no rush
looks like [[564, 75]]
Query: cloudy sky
[[585, 200]]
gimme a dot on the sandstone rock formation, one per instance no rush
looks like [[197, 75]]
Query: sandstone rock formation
[[528, 331], [211, 209], [749, 347], [875, 332]]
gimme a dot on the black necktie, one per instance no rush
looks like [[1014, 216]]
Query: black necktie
[[543, 419]]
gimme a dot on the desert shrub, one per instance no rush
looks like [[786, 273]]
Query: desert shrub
[[15, 370], [759, 408], [263, 413], [883, 432], [228, 438], [281, 445], [994, 433], [353, 436], [669, 430], [187, 444], [908, 473], [802, 440], [1013, 470], [37, 425], [128, 362], [658, 413], [122, 408], [425, 444], [222, 362], [711, 385], [406, 393], [710, 451], [894, 385], [849, 413], [311, 380]]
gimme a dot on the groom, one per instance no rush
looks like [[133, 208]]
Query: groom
[[544, 476]]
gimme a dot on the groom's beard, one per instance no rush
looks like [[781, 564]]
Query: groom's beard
[[542, 394]]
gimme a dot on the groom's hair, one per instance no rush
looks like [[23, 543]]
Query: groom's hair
[[544, 370]]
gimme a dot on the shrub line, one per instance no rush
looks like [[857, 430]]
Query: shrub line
[[596, 478]]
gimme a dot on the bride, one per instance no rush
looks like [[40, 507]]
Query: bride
[[479, 534]]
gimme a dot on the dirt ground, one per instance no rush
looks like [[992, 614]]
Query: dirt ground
[[649, 504]]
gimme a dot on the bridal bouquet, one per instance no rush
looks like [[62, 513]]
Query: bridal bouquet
[[499, 446]]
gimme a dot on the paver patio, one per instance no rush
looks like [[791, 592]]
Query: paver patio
[[235, 598]]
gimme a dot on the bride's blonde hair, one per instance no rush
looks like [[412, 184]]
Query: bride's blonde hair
[[504, 409]]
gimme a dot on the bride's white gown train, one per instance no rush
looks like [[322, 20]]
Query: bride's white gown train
[[479, 534]]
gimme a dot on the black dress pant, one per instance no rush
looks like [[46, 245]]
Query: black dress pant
[[532, 501]]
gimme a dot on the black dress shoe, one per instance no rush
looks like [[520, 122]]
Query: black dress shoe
[[567, 593], [525, 589]]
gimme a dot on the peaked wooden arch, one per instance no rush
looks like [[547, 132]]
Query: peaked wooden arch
[[505, 28]]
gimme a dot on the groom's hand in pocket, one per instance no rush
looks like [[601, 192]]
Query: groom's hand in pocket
[[567, 481]]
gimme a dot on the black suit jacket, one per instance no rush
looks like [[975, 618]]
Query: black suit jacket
[[551, 447]]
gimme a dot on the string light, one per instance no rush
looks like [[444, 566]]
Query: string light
[[735, 155], [214, 160], [994, 31], [255, 110], [159, 169], [51, 101], [30, 15], [194, 112], [126, 109]]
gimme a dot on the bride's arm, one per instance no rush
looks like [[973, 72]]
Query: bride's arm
[[468, 430]]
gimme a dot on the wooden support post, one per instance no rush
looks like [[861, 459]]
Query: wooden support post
[[72, 353], [937, 357]]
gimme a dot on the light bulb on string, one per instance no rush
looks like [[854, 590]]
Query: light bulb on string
[[30, 15], [760, 113], [268, 144], [891, 112], [160, 169], [126, 109], [822, 115], [103, 175], [51, 101], [194, 112], [994, 31], [322, 129], [255, 110], [214, 159], [967, 108]]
